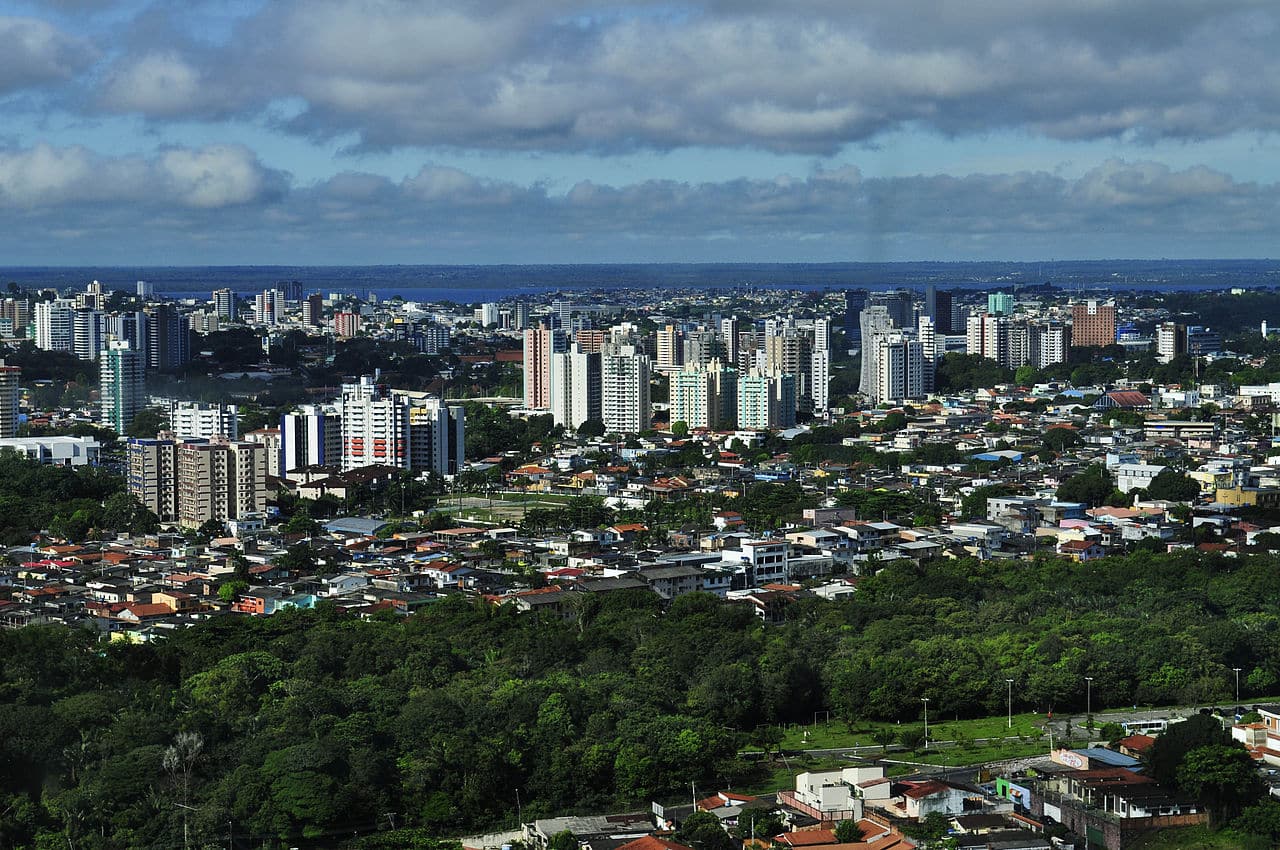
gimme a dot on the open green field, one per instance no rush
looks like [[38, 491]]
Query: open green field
[[837, 735], [1199, 838]]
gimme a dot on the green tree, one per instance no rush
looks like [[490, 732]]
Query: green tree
[[147, 423], [702, 831], [911, 738], [848, 832], [884, 736], [679, 429], [1224, 778], [1167, 753], [1092, 486], [1170, 485], [563, 840]]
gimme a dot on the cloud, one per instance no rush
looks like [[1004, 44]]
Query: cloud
[[36, 54], [804, 76], [75, 181], [220, 199]]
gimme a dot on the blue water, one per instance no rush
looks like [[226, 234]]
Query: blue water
[[471, 284]]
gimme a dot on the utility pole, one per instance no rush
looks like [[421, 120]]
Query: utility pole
[[925, 700], [1009, 682], [1236, 670], [1088, 700]]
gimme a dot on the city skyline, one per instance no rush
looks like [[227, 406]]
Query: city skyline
[[139, 131]]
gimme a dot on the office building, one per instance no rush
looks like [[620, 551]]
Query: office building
[[122, 373], [55, 325], [225, 304], [899, 304], [168, 338], [1202, 340], [1093, 324], [855, 301], [624, 390], [310, 436], [10, 395], [313, 310], [875, 320], [766, 401], [943, 315], [539, 344]]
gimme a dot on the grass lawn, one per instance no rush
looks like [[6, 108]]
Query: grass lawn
[[778, 775], [1198, 838], [835, 734]]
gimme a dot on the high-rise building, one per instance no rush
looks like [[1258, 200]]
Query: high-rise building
[[55, 325], [437, 433], [487, 314], [375, 427], [875, 320], [10, 379], [430, 338], [17, 312], [1000, 304], [269, 439], [900, 305], [123, 374], [669, 348], [1202, 340], [728, 330], [855, 301], [926, 332], [189, 420], [168, 338], [820, 365], [313, 310], [1049, 344], [942, 315], [1093, 324], [899, 362], [291, 290], [220, 480], [705, 396], [268, 307], [624, 390], [224, 304], [346, 324], [539, 345], [310, 436], [87, 336], [152, 473], [988, 335], [766, 401], [576, 386], [146, 290], [590, 341], [519, 316], [128, 327]]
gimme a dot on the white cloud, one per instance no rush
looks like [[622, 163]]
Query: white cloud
[[35, 53]]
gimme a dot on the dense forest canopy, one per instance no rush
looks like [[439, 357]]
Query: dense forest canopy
[[312, 723]]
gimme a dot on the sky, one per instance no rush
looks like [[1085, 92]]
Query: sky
[[191, 132]]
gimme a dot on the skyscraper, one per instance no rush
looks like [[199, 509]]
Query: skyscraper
[[899, 362], [10, 378], [900, 305], [375, 427], [855, 301], [820, 365], [575, 387], [705, 396], [310, 436], [1000, 304], [539, 344], [87, 327], [943, 306], [875, 319], [624, 390], [224, 304], [766, 401], [313, 310], [123, 373], [55, 325], [220, 480], [168, 338]]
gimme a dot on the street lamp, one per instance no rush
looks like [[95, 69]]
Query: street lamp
[[1009, 682], [925, 700], [1088, 699], [1236, 670]]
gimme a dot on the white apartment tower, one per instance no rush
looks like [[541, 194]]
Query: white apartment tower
[[55, 325], [624, 390]]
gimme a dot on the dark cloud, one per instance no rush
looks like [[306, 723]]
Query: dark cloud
[[807, 76], [35, 53], [219, 204]]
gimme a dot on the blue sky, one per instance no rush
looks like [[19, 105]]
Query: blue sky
[[389, 131]]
